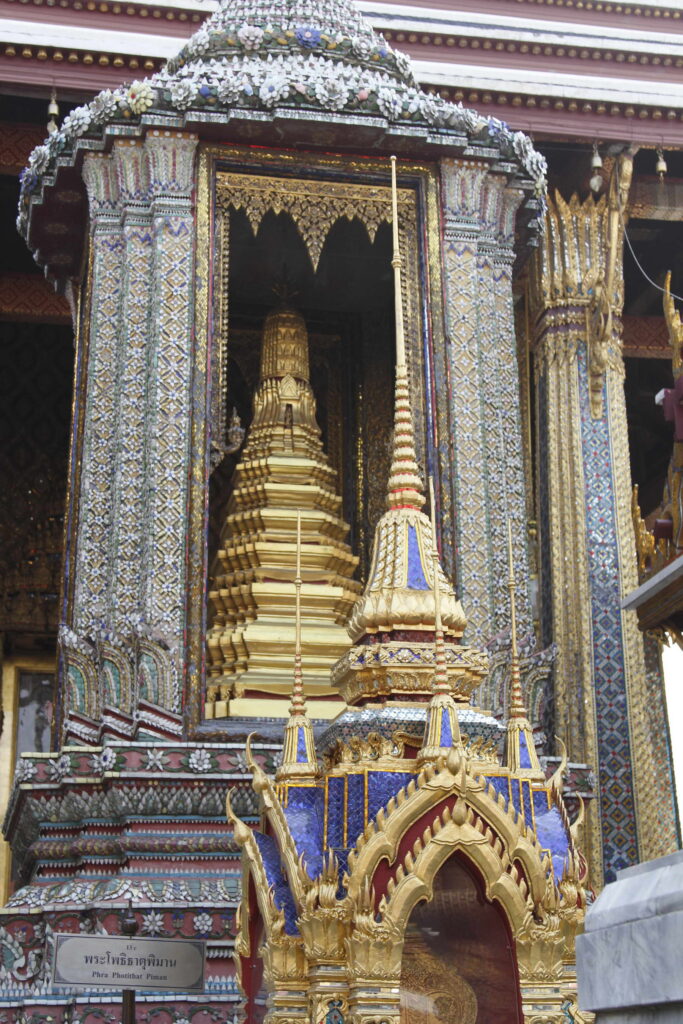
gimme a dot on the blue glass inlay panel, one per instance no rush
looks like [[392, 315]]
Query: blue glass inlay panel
[[500, 784], [305, 817], [416, 576], [541, 803], [553, 836], [615, 766], [355, 808], [524, 757], [301, 753], [526, 796], [382, 786], [270, 855], [335, 812], [516, 798], [446, 731]]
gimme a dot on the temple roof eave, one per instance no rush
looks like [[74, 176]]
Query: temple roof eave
[[425, 133]]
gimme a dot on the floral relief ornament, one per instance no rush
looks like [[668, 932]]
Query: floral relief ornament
[[25, 770], [203, 924], [105, 761], [59, 769], [200, 760], [153, 923], [139, 96]]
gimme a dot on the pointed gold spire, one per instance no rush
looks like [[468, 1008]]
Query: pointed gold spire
[[298, 754], [405, 486], [399, 591], [442, 729], [520, 750]]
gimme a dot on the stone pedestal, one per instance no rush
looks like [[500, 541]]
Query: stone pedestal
[[628, 959]]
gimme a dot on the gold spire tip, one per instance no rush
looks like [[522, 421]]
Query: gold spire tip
[[517, 709]]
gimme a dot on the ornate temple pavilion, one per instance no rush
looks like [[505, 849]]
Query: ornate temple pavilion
[[233, 357]]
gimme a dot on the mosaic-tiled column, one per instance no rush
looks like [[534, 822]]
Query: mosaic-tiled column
[[122, 645], [479, 214], [128, 521], [605, 711]]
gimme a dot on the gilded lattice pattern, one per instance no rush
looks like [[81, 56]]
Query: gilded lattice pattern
[[257, 195]]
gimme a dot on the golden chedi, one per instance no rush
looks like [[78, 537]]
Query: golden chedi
[[283, 469]]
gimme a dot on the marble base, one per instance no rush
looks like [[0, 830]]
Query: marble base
[[628, 959]]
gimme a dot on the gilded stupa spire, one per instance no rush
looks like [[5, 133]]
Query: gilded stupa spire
[[406, 582], [399, 594], [405, 486], [520, 750], [298, 752]]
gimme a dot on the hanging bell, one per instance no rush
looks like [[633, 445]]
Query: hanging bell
[[596, 159], [53, 113], [596, 183], [660, 166]]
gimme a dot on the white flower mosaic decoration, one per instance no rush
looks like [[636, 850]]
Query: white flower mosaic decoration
[[59, 769], [104, 761], [250, 36], [203, 923], [139, 96], [25, 770], [200, 760], [155, 759], [153, 923]]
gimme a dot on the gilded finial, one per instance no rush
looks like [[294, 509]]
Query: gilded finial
[[405, 486], [441, 673], [298, 753], [516, 709]]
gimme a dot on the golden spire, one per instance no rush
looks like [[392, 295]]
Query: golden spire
[[298, 753], [520, 750], [442, 729], [405, 486], [403, 573]]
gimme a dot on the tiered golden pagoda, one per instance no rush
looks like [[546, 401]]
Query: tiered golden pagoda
[[283, 469]]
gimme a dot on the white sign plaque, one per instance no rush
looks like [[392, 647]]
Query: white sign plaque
[[112, 961]]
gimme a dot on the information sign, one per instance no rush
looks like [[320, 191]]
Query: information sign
[[112, 961]]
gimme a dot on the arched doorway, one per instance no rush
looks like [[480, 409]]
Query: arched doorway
[[459, 964]]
